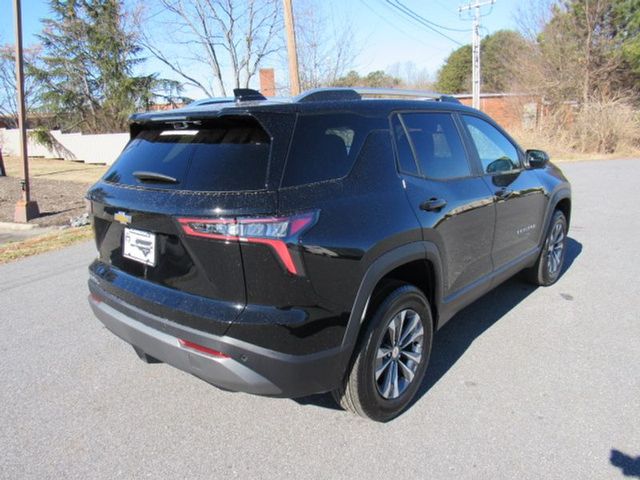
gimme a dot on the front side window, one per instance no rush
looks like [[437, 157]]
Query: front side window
[[437, 145], [496, 152]]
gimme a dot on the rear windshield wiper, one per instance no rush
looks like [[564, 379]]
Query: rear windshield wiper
[[154, 177]]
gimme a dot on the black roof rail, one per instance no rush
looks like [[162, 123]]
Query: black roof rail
[[449, 98], [357, 93], [328, 95], [210, 101]]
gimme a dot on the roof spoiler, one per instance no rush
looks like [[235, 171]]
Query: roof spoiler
[[247, 95]]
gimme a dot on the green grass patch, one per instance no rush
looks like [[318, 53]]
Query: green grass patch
[[44, 243]]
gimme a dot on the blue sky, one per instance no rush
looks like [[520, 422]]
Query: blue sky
[[384, 36]]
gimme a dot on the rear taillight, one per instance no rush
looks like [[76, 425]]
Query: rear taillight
[[275, 232]]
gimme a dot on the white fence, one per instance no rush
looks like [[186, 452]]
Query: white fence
[[102, 149]]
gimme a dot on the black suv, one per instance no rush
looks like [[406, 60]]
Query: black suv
[[292, 247]]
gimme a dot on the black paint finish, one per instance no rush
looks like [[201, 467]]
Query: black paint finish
[[468, 232]]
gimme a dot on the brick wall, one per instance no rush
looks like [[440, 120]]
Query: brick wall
[[509, 110], [268, 82]]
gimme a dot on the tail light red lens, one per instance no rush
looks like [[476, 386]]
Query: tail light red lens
[[275, 232], [202, 349]]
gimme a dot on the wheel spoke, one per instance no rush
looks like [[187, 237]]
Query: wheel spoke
[[415, 336], [413, 331], [380, 370], [387, 383], [406, 371], [414, 356], [403, 316], [393, 331], [395, 390], [383, 352]]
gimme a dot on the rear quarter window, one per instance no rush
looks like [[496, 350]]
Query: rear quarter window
[[324, 147], [221, 155]]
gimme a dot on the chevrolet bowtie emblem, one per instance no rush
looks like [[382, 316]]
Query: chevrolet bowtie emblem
[[122, 217]]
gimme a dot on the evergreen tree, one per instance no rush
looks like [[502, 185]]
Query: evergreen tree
[[455, 74], [496, 57], [88, 63]]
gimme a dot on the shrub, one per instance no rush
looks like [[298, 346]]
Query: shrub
[[604, 127]]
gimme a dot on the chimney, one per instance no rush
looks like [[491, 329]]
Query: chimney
[[268, 82]]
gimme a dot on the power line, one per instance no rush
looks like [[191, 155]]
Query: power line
[[413, 13], [163, 9], [390, 23], [421, 22]]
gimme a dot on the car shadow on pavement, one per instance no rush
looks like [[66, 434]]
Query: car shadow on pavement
[[454, 338], [629, 466]]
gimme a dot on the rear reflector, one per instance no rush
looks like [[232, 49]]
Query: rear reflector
[[202, 349], [273, 231], [95, 298]]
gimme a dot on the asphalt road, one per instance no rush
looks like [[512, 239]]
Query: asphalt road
[[525, 383]]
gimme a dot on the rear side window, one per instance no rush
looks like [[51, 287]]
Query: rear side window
[[406, 160], [222, 155], [324, 147], [437, 144]]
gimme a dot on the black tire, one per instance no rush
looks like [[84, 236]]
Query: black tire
[[361, 392], [543, 272]]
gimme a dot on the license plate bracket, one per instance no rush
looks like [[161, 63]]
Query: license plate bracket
[[140, 246]]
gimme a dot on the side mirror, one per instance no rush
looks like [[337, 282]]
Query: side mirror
[[537, 158]]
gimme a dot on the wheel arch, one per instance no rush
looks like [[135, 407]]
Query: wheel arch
[[564, 205], [560, 199], [408, 263]]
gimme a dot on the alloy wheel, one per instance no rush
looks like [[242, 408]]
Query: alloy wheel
[[399, 354], [555, 248]]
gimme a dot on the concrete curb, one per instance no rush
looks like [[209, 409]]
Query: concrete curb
[[18, 226]]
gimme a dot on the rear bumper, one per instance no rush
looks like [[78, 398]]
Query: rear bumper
[[249, 368]]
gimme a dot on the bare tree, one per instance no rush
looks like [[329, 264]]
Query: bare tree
[[8, 106], [327, 46], [574, 51], [533, 16], [214, 40], [411, 75]]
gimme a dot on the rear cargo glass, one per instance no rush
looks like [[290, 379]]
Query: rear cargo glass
[[324, 147], [221, 155]]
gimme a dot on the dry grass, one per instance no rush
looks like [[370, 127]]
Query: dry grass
[[56, 169], [605, 129], [50, 241]]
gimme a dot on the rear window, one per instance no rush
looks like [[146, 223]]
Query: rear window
[[324, 147], [221, 155]]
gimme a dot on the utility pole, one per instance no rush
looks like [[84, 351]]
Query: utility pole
[[3, 172], [476, 77], [289, 24], [26, 209]]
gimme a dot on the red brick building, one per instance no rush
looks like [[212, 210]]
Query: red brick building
[[510, 110]]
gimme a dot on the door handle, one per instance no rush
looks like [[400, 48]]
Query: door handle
[[433, 204], [504, 193]]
